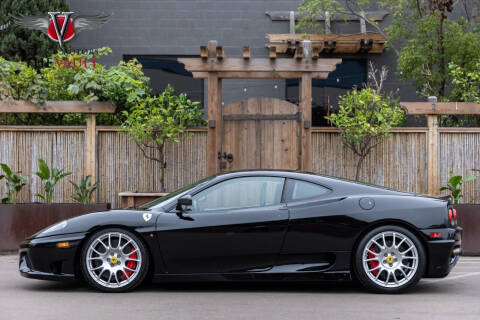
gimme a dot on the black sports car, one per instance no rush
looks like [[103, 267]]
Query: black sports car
[[255, 225]]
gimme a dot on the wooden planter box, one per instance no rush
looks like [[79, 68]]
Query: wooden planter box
[[469, 219], [18, 221]]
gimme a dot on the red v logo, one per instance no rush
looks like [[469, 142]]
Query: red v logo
[[60, 27]]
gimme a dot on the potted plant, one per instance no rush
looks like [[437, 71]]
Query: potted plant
[[20, 220], [467, 213]]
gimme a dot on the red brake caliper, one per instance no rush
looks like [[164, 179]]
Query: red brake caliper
[[372, 264], [130, 264]]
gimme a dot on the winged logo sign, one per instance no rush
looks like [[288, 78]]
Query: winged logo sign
[[61, 26]]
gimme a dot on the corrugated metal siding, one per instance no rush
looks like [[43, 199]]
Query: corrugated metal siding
[[399, 162]]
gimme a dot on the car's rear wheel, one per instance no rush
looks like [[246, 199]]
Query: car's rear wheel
[[114, 260], [389, 259]]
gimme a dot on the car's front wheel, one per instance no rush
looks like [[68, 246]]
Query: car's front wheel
[[114, 260], [389, 259]]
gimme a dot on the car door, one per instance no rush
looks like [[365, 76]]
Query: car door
[[233, 226]]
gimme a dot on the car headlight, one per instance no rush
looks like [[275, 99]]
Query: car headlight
[[55, 227]]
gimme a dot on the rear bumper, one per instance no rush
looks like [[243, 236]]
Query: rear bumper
[[443, 253], [41, 259]]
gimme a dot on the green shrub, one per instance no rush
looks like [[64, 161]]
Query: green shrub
[[49, 179]]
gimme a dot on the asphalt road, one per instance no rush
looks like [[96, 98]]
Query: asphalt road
[[454, 297]]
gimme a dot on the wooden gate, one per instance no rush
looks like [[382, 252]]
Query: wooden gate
[[260, 133]]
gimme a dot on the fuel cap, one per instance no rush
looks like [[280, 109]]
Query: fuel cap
[[367, 203]]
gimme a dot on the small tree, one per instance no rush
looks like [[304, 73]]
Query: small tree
[[366, 116], [161, 119]]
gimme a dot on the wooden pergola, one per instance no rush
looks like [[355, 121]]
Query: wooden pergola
[[432, 110], [214, 66], [19, 106]]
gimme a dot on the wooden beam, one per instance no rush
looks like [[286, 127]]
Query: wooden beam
[[214, 122], [20, 106], [432, 121], [441, 107], [272, 52], [212, 49], [259, 64], [285, 16], [221, 53], [91, 149], [305, 106], [261, 75], [246, 52], [285, 37], [203, 52], [298, 53]]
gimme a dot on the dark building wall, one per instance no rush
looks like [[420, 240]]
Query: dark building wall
[[140, 27]]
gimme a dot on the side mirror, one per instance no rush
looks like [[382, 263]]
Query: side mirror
[[185, 200]]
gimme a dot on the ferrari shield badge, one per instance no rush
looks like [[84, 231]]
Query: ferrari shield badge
[[147, 216]]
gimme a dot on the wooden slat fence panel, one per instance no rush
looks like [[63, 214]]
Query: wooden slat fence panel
[[399, 162], [460, 152], [121, 165], [60, 149]]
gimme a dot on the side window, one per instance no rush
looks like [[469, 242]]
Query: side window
[[239, 193], [304, 190]]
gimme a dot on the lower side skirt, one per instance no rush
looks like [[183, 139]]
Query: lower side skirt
[[304, 276]]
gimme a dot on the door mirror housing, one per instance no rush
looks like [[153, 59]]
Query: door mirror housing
[[185, 200]]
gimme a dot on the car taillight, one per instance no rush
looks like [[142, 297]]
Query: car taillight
[[450, 216], [454, 214]]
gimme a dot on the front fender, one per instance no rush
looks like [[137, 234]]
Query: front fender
[[139, 221]]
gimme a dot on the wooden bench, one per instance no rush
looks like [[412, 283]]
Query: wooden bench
[[130, 199]]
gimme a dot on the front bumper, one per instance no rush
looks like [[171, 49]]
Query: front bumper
[[41, 259], [443, 253]]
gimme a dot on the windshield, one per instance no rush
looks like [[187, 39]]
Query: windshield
[[167, 200]]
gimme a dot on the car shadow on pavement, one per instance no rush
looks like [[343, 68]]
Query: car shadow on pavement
[[281, 287]]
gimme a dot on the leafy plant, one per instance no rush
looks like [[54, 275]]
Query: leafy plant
[[49, 179], [454, 186], [15, 183], [161, 119], [124, 85], [430, 37], [84, 191], [365, 119]]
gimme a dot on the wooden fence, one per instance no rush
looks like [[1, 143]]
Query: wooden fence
[[401, 162], [120, 164]]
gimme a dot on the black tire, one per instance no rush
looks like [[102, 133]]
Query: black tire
[[370, 284], [138, 279]]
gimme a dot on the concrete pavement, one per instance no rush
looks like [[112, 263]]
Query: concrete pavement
[[455, 297]]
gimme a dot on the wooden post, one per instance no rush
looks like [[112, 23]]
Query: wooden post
[[432, 121], [91, 149], [305, 107], [214, 122]]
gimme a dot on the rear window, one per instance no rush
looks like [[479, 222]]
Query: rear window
[[304, 190]]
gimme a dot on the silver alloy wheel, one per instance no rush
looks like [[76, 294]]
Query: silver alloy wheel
[[113, 260], [390, 259]]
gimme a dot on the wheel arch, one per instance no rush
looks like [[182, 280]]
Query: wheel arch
[[387, 222], [89, 233]]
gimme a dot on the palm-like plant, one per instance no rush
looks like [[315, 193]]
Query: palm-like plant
[[15, 183], [49, 180], [84, 191], [454, 186]]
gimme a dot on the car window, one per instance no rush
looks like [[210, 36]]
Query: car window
[[303, 190], [239, 193]]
